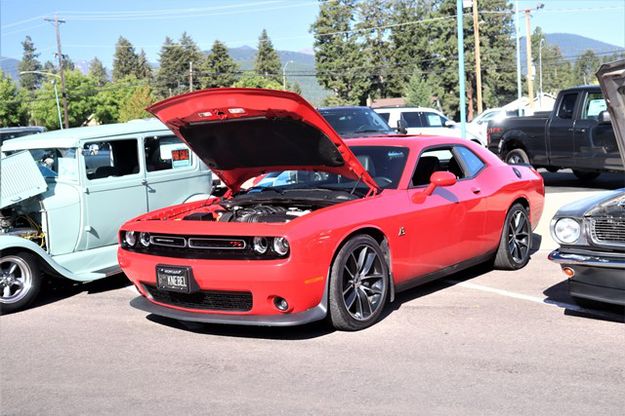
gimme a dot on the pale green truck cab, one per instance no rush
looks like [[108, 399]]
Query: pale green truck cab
[[65, 193]]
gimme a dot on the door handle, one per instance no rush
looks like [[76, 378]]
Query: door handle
[[571, 129], [144, 182], [476, 190]]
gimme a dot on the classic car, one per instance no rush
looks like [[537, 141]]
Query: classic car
[[591, 232], [64, 195], [358, 224]]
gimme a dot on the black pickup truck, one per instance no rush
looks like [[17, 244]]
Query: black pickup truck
[[577, 134]]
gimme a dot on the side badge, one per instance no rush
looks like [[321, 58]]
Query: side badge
[[402, 231]]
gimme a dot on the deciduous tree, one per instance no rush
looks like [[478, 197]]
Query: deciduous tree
[[12, 108]]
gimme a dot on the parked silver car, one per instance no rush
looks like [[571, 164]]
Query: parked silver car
[[64, 195]]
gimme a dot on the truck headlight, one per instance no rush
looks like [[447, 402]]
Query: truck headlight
[[567, 230]]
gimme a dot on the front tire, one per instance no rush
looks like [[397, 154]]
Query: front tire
[[517, 157], [516, 240], [359, 281], [20, 281]]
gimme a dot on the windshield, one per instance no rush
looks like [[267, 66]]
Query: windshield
[[55, 162], [384, 163], [355, 121]]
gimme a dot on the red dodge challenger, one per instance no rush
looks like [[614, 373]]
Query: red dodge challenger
[[337, 232]]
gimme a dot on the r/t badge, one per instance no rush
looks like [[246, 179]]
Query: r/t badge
[[402, 231]]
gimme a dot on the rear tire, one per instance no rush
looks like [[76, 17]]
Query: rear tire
[[359, 284], [20, 281], [585, 176], [516, 156], [515, 244]]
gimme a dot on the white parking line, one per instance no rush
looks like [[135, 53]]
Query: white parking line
[[535, 299]]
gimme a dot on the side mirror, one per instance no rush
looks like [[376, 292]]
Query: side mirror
[[437, 179], [450, 123], [402, 126], [604, 117]]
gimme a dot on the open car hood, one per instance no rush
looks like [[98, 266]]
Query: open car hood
[[241, 133], [20, 179], [612, 79]]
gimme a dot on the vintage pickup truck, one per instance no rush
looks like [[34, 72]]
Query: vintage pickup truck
[[577, 134]]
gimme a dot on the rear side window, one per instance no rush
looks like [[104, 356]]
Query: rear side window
[[111, 158], [567, 106], [385, 116], [472, 163], [433, 120], [595, 104], [412, 118], [166, 152]]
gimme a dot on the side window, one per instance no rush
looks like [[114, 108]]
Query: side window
[[166, 152], [472, 163], [567, 106], [435, 160], [385, 116], [595, 103], [434, 120], [412, 118], [111, 158]]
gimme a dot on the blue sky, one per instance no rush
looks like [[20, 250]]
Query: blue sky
[[92, 28]]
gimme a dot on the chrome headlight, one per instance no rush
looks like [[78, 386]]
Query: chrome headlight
[[144, 239], [280, 246], [260, 245], [130, 238], [567, 230]]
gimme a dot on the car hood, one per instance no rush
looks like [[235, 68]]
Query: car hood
[[241, 133], [20, 179], [612, 79]]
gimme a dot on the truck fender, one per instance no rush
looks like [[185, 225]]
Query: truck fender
[[513, 139]]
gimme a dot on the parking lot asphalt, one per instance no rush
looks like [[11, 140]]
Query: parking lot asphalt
[[480, 342]]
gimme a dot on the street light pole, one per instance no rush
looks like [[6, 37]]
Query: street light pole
[[56, 92], [540, 71], [284, 74]]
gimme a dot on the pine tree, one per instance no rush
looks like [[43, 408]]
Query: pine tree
[[125, 59], [267, 62], [29, 63], [191, 53], [168, 78], [374, 45], [219, 69], [98, 72], [337, 54], [419, 91], [144, 70], [409, 43], [48, 66], [585, 68]]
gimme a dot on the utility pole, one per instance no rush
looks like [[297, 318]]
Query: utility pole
[[528, 51], [56, 22], [518, 56], [190, 76], [461, 73], [478, 64]]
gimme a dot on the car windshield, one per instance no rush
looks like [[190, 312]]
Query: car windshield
[[384, 163], [55, 162], [355, 121]]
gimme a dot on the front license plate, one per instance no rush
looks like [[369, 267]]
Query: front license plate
[[173, 278]]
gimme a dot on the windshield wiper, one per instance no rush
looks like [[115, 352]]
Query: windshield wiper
[[370, 131]]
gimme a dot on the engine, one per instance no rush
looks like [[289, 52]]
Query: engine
[[251, 213]]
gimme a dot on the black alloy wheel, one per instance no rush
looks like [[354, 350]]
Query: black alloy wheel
[[358, 284], [516, 240]]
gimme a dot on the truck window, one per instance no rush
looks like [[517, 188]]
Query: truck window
[[166, 152], [111, 158], [567, 106], [595, 103], [412, 119]]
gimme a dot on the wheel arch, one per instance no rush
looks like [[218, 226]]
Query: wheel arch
[[381, 238], [513, 140]]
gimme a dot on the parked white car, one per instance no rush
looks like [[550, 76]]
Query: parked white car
[[479, 124], [423, 120]]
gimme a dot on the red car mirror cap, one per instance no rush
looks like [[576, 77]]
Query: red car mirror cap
[[440, 179]]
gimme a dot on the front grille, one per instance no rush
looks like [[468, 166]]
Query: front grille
[[610, 231], [206, 299]]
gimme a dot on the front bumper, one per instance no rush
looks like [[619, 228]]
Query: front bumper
[[300, 318], [598, 276]]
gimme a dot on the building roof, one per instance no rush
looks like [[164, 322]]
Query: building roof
[[388, 102]]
